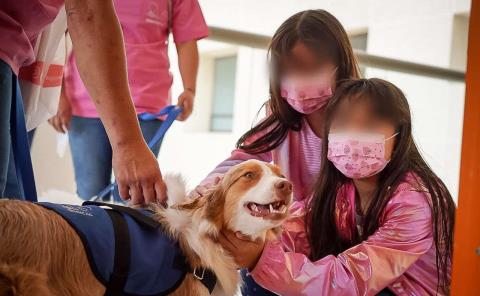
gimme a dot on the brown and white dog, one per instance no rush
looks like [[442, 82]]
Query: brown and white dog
[[40, 254]]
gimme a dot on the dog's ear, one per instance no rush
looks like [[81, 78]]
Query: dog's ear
[[214, 203], [215, 198], [191, 204]]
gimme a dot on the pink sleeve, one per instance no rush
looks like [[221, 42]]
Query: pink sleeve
[[364, 269], [293, 236], [237, 156], [188, 22]]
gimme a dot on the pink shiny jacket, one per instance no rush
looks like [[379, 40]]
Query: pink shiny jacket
[[400, 255]]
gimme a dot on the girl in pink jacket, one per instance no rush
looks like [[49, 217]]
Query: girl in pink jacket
[[379, 217]]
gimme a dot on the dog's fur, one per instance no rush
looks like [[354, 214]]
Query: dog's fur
[[40, 254]]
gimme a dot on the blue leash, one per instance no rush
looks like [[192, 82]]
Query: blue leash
[[172, 113], [21, 147]]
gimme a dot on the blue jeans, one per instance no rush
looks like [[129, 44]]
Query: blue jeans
[[12, 189], [251, 288], [6, 94], [92, 153], [14, 147]]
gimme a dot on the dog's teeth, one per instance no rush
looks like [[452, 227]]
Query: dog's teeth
[[282, 209], [254, 208], [271, 208]]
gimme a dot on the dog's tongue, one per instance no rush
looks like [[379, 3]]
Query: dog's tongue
[[263, 209]]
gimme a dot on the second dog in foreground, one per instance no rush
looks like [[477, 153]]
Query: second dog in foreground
[[41, 254]]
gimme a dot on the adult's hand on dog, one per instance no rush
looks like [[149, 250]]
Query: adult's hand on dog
[[138, 175], [244, 250]]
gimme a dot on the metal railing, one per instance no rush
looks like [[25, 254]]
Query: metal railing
[[364, 58]]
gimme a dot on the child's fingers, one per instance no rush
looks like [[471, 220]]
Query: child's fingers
[[227, 241], [197, 192], [218, 179], [247, 238]]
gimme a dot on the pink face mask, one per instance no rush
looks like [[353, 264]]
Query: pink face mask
[[307, 95], [357, 155]]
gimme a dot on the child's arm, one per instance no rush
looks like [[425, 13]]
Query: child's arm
[[361, 270]]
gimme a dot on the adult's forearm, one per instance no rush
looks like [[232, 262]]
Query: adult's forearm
[[98, 47], [188, 64]]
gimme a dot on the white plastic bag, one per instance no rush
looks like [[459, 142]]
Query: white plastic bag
[[41, 82]]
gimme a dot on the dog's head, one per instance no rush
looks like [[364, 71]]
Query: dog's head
[[252, 198]]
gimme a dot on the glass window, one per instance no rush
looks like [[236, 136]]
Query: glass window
[[359, 42], [221, 119]]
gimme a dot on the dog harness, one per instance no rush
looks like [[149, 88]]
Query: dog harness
[[128, 251]]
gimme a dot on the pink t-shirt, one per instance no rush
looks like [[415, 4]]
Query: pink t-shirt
[[21, 21], [145, 30]]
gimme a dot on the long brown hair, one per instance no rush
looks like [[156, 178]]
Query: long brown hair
[[388, 102], [323, 34]]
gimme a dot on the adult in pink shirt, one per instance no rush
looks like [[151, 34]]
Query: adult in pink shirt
[[98, 43], [146, 25]]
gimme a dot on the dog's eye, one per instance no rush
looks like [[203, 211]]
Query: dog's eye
[[248, 175]]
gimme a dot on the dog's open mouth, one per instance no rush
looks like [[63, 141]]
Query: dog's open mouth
[[259, 210]]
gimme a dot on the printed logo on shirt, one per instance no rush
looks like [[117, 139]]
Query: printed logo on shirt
[[154, 13]]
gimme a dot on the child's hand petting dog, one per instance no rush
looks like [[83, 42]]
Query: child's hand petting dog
[[245, 251], [200, 190]]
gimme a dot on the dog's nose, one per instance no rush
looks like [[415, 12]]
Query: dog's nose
[[283, 188]]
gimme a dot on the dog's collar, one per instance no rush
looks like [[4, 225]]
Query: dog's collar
[[206, 276]]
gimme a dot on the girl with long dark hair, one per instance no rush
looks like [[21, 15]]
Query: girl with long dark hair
[[380, 220], [308, 54]]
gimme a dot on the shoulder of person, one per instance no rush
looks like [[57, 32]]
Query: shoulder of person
[[411, 182], [410, 195]]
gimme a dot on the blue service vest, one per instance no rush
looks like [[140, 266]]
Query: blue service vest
[[156, 266]]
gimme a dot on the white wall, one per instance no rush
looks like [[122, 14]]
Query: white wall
[[422, 32], [264, 17]]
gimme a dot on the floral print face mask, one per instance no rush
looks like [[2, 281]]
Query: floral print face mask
[[358, 155]]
